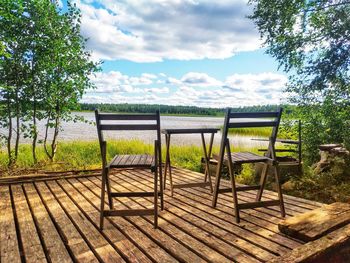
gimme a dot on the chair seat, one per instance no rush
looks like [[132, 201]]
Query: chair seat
[[245, 157], [135, 160]]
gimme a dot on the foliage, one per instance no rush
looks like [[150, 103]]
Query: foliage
[[311, 41], [44, 70], [328, 187]]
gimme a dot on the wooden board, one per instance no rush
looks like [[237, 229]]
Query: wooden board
[[75, 243], [66, 211], [177, 218], [334, 247], [33, 250], [143, 225], [9, 249], [197, 205], [54, 247], [100, 246], [316, 223], [116, 237]]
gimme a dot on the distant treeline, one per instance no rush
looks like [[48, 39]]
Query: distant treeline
[[169, 109]]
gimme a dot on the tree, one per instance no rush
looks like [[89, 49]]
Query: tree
[[67, 71], [12, 69], [44, 70], [311, 41]]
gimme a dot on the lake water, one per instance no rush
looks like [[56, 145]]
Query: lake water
[[84, 131]]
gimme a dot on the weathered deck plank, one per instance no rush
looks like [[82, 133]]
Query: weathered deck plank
[[103, 250], [8, 237], [72, 238], [33, 250], [57, 220], [119, 239], [202, 200], [146, 226], [54, 246], [318, 222], [199, 230], [179, 234], [234, 235]]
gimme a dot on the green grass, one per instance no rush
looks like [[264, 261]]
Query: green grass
[[259, 132], [86, 155]]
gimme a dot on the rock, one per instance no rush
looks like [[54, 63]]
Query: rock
[[328, 147], [330, 156]]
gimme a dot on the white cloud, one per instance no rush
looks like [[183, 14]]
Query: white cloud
[[191, 89], [154, 30], [195, 79], [158, 90], [199, 80], [140, 80], [149, 76], [173, 81], [262, 82]]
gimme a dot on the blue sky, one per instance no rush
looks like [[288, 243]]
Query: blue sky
[[178, 52]]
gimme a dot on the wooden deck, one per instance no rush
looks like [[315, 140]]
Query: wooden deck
[[56, 220]]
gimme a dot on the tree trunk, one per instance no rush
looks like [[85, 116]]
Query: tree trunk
[[9, 138], [35, 132], [53, 143], [46, 135], [18, 125]]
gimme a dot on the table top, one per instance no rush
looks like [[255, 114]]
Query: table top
[[190, 130]]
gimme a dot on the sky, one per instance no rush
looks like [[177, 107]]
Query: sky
[[178, 52]]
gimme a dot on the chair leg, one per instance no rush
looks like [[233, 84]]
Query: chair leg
[[233, 183], [108, 184], [279, 190], [209, 154], [156, 198], [217, 184], [234, 195], [103, 189], [161, 187], [210, 182], [262, 182], [171, 181], [207, 168]]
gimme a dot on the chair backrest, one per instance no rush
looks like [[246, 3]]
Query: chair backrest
[[126, 122], [253, 120]]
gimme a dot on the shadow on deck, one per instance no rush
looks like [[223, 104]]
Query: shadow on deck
[[56, 220]]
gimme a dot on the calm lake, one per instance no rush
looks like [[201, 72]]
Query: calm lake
[[87, 132]]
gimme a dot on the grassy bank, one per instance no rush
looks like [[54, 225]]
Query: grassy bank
[[86, 155], [257, 132]]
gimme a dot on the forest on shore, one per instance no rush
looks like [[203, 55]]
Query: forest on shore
[[176, 109]]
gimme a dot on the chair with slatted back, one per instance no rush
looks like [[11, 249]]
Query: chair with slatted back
[[130, 122], [255, 119]]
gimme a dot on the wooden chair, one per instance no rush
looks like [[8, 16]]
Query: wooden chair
[[109, 122], [238, 158]]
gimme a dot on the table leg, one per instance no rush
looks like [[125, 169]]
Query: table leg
[[166, 159], [207, 169], [168, 164], [209, 156]]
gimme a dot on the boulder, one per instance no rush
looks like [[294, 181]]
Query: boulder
[[330, 155]]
